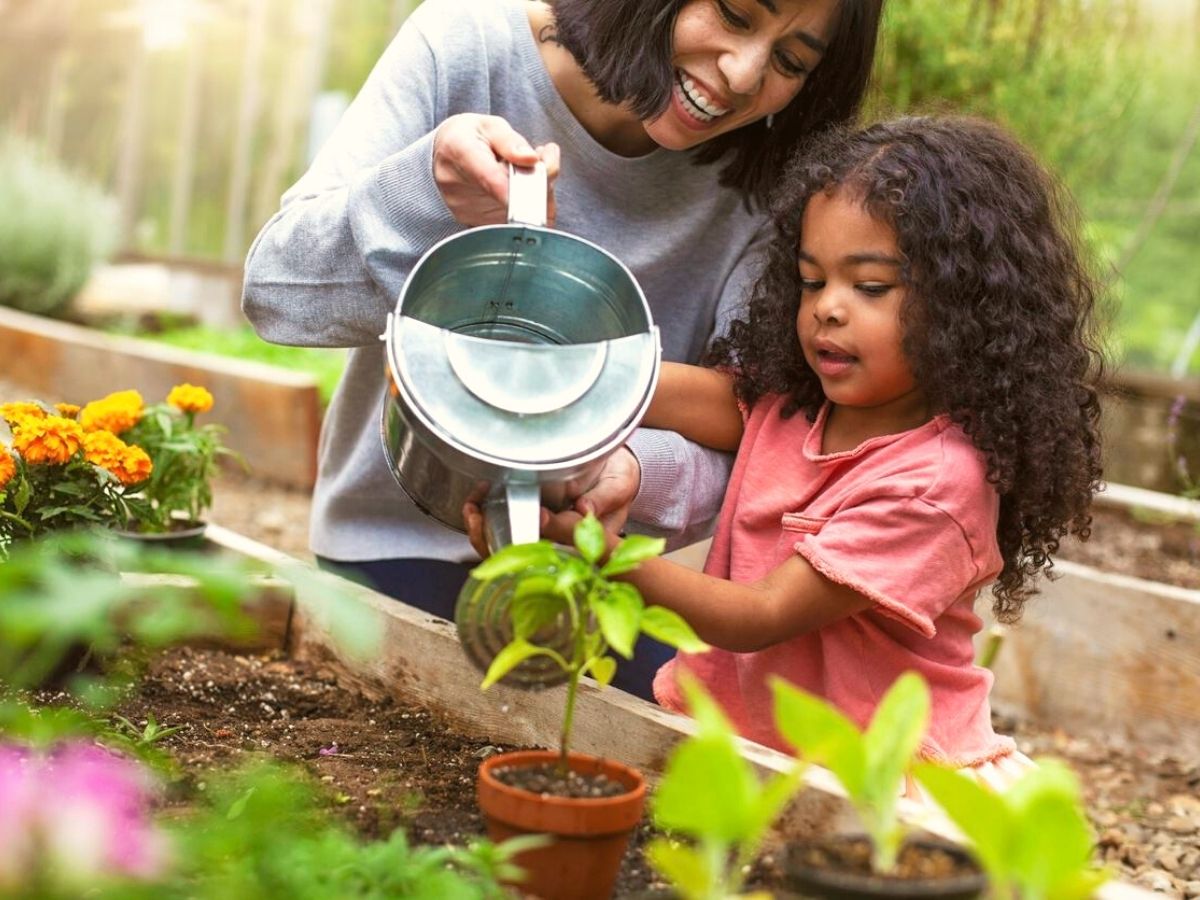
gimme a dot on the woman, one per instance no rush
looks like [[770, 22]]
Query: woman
[[662, 124]]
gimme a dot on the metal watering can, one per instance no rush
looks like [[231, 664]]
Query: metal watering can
[[519, 358]]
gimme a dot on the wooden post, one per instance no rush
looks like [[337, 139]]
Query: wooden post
[[243, 147], [185, 152]]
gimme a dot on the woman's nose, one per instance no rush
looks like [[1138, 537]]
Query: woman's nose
[[744, 65]]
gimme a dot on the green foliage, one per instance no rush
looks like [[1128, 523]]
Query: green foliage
[[1033, 840], [870, 765], [549, 583], [263, 833], [322, 364], [53, 227], [185, 457], [710, 794]]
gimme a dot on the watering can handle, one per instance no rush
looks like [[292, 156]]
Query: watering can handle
[[528, 190]]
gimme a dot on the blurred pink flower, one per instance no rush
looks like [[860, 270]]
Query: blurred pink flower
[[74, 814]]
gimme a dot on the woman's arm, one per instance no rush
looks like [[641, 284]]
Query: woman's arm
[[698, 403]]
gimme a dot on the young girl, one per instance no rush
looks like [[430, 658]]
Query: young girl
[[913, 406]]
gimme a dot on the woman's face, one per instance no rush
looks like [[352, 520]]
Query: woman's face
[[737, 61]]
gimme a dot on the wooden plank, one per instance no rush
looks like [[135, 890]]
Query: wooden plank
[[1106, 655], [273, 414], [1129, 498], [269, 603]]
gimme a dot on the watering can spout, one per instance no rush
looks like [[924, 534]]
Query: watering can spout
[[512, 515]]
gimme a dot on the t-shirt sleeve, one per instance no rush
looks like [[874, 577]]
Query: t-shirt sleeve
[[909, 556]]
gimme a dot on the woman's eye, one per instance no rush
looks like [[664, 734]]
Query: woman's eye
[[790, 65], [732, 17]]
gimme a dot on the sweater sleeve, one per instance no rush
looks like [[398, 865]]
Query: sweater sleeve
[[326, 269], [683, 483]]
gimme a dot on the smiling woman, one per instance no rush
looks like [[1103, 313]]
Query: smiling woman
[[651, 119]]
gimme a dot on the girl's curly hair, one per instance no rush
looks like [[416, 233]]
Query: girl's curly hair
[[999, 316]]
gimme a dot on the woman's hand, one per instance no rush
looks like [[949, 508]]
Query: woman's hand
[[614, 491], [471, 154]]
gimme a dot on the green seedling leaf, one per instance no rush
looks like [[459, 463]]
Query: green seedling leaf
[[821, 734], [512, 656], [890, 742], [710, 718], [707, 791], [631, 552], [688, 870], [572, 573], [535, 605], [514, 558], [603, 668], [619, 613], [669, 627], [589, 538], [981, 814]]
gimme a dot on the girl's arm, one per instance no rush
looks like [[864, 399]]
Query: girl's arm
[[792, 599], [698, 403]]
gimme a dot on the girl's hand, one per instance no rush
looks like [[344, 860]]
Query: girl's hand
[[471, 154]]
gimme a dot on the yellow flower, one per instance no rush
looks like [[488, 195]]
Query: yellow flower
[[190, 399], [8, 467], [15, 413], [67, 410], [51, 440], [118, 412], [130, 464]]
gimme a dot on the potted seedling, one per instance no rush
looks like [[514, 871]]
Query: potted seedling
[[562, 612], [870, 765], [713, 805], [1033, 840]]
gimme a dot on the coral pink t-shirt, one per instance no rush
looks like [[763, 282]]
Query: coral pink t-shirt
[[909, 521]]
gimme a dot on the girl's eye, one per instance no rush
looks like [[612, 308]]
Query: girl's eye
[[811, 284], [790, 65], [874, 289], [729, 15]]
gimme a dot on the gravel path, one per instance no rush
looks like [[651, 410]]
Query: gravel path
[[1144, 801]]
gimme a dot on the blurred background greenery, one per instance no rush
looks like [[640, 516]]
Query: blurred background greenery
[[195, 115]]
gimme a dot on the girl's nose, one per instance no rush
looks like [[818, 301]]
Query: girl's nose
[[744, 65], [828, 310]]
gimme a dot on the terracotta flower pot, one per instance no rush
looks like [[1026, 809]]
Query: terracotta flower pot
[[590, 835], [964, 882]]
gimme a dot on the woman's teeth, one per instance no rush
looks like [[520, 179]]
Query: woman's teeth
[[695, 102]]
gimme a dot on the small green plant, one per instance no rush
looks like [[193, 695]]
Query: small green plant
[[147, 735], [710, 794], [869, 764], [55, 227], [550, 582], [1032, 840]]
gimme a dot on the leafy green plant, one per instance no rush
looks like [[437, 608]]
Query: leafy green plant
[[710, 794], [184, 456], [146, 735], [1032, 840], [869, 764], [550, 584], [55, 227]]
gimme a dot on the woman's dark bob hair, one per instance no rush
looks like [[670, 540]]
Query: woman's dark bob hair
[[624, 47]]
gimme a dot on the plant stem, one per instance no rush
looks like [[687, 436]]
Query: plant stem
[[568, 716]]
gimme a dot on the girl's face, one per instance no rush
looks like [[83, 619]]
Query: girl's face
[[851, 295], [737, 61]]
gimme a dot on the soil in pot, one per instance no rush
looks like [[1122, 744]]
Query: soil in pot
[[589, 812], [839, 866]]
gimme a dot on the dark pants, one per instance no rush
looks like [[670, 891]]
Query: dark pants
[[433, 585]]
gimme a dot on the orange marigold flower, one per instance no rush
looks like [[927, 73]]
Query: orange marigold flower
[[67, 410], [130, 464], [190, 399], [15, 413], [135, 466], [118, 412], [52, 440], [8, 467]]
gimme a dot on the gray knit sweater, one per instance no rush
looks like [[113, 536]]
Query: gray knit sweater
[[327, 268]]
